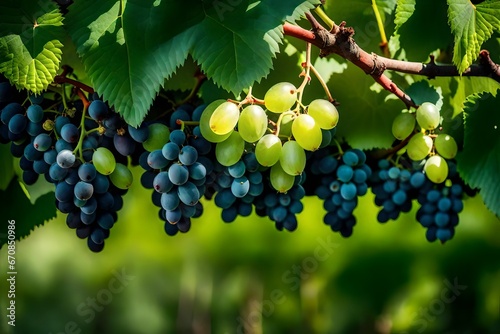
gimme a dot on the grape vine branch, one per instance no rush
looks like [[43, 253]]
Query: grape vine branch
[[339, 40]]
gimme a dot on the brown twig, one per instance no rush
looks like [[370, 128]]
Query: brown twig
[[339, 40], [60, 79]]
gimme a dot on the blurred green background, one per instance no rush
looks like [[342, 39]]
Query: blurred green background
[[246, 277]]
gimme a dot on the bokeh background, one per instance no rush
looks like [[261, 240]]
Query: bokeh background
[[247, 277]]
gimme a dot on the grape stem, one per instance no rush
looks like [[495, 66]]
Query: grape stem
[[323, 83], [386, 153], [307, 77], [322, 15], [200, 79], [278, 122], [249, 99], [341, 151], [184, 123], [383, 44], [83, 132], [339, 40]]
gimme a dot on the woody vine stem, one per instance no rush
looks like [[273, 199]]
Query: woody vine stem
[[339, 40]]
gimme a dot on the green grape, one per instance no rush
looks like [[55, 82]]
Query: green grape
[[293, 158], [428, 116], [419, 146], [205, 130], [121, 177], [281, 180], [403, 125], [436, 169], [280, 97], [446, 146], [324, 113], [224, 118], [306, 132], [158, 136], [253, 123], [286, 125], [230, 150], [104, 161], [268, 150]]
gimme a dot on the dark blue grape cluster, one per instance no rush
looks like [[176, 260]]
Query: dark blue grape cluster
[[282, 208], [23, 129], [343, 180], [57, 144], [237, 186], [440, 205], [178, 173], [395, 188]]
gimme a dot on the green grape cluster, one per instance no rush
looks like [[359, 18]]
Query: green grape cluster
[[426, 143], [279, 135]]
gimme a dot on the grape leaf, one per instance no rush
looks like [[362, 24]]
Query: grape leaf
[[365, 117], [424, 29], [26, 215], [236, 44], [422, 91], [456, 90], [129, 48], [479, 162], [148, 40], [30, 47], [404, 10], [471, 25]]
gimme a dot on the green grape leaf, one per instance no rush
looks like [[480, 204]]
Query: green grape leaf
[[130, 48], [479, 162], [34, 74], [471, 25], [365, 120], [457, 89], [128, 59], [5, 166], [27, 216], [422, 28], [236, 44], [30, 47], [422, 91], [404, 10]]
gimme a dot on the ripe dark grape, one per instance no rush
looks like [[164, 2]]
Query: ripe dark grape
[[342, 182], [394, 189], [70, 133], [35, 113], [98, 110], [440, 206]]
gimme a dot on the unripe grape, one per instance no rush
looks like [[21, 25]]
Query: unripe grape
[[436, 169], [293, 158], [268, 150], [104, 161], [428, 116], [121, 177], [230, 150], [419, 146], [280, 97], [224, 118], [306, 132], [446, 146], [403, 125], [281, 180], [205, 129], [324, 113], [158, 136], [252, 124]]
